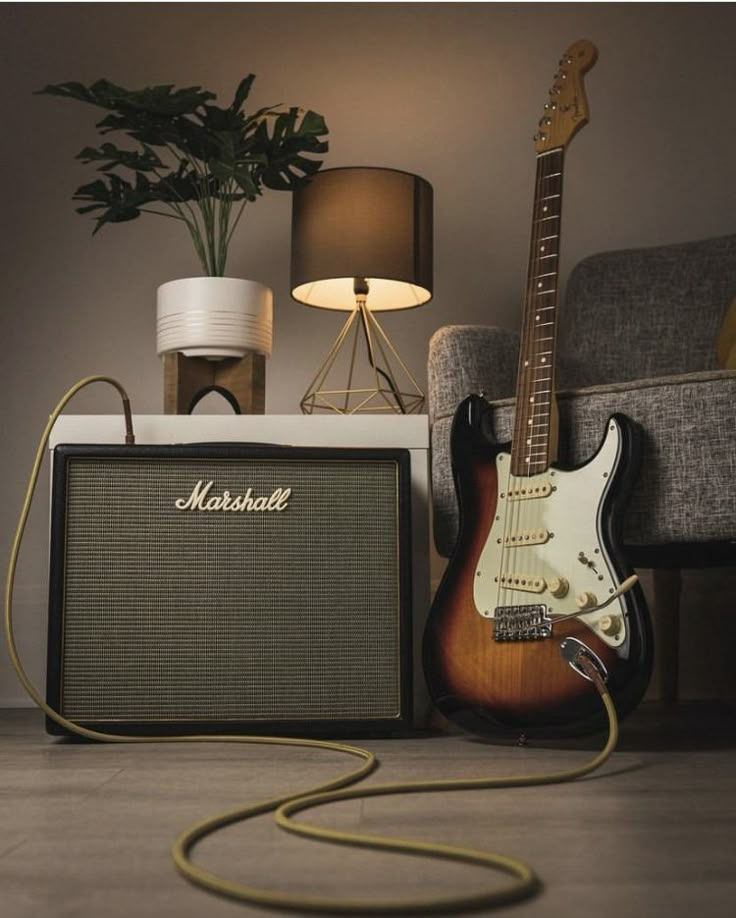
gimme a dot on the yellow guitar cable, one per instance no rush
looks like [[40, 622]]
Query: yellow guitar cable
[[522, 885]]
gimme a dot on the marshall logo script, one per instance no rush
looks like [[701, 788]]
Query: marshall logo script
[[199, 499]]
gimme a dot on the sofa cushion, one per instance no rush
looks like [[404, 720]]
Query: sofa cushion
[[646, 312]]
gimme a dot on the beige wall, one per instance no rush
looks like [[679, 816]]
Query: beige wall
[[450, 91]]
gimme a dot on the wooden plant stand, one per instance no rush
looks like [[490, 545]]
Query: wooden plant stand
[[241, 380]]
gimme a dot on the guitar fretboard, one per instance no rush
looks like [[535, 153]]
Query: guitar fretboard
[[530, 453]]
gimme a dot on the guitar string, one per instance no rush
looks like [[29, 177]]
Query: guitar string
[[513, 507], [524, 515], [518, 512], [555, 187], [551, 164], [531, 506], [548, 168]]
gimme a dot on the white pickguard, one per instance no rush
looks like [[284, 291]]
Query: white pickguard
[[574, 550]]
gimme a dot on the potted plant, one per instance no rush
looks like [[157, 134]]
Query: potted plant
[[198, 163]]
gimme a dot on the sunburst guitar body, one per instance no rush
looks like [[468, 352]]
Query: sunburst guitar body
[[525, 567], [537, 579]]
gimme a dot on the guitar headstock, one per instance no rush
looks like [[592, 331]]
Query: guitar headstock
[[567, 109]]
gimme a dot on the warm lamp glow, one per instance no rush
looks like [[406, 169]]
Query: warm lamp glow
[[339, 293]]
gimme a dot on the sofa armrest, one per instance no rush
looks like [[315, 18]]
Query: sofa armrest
[[469, 358]]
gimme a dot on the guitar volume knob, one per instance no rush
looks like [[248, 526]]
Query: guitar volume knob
[[558, 587], [586, 600], [610, 625]]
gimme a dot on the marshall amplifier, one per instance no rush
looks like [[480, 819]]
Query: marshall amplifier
[[230, 588]]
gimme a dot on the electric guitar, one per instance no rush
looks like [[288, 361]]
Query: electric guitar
[[537, 579]]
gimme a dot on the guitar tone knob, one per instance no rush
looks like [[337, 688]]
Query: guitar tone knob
[[610, 625], [586, 600], [558, 587]]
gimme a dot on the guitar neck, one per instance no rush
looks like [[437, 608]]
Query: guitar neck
[[535, 425]]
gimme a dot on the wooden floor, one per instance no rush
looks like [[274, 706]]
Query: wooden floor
[[85, 830]]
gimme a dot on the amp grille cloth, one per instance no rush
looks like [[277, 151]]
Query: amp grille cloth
[[193, 615]]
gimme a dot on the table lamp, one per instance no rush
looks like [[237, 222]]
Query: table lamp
[[362, 243]]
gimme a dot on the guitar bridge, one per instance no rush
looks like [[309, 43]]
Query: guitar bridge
[[522, 623]]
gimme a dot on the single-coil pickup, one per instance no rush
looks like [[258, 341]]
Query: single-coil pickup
[[529, 491], [527, 583], [526, 537]]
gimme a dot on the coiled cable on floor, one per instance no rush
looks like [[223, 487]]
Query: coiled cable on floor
[[523, 881]]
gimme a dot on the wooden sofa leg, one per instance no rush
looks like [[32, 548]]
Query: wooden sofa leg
[[667, 584]]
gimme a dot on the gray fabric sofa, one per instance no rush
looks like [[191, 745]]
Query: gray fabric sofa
[[638, 333]]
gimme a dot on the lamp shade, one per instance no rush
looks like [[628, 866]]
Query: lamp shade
[[368, 223]]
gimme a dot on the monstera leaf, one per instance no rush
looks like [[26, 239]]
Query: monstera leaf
[[117, 198], [195, 160], [286, 146], [145, 160]]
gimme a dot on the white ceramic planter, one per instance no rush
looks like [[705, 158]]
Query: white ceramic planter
[[214, 317]]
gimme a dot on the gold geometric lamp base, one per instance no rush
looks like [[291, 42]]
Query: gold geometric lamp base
[[363, 372]]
